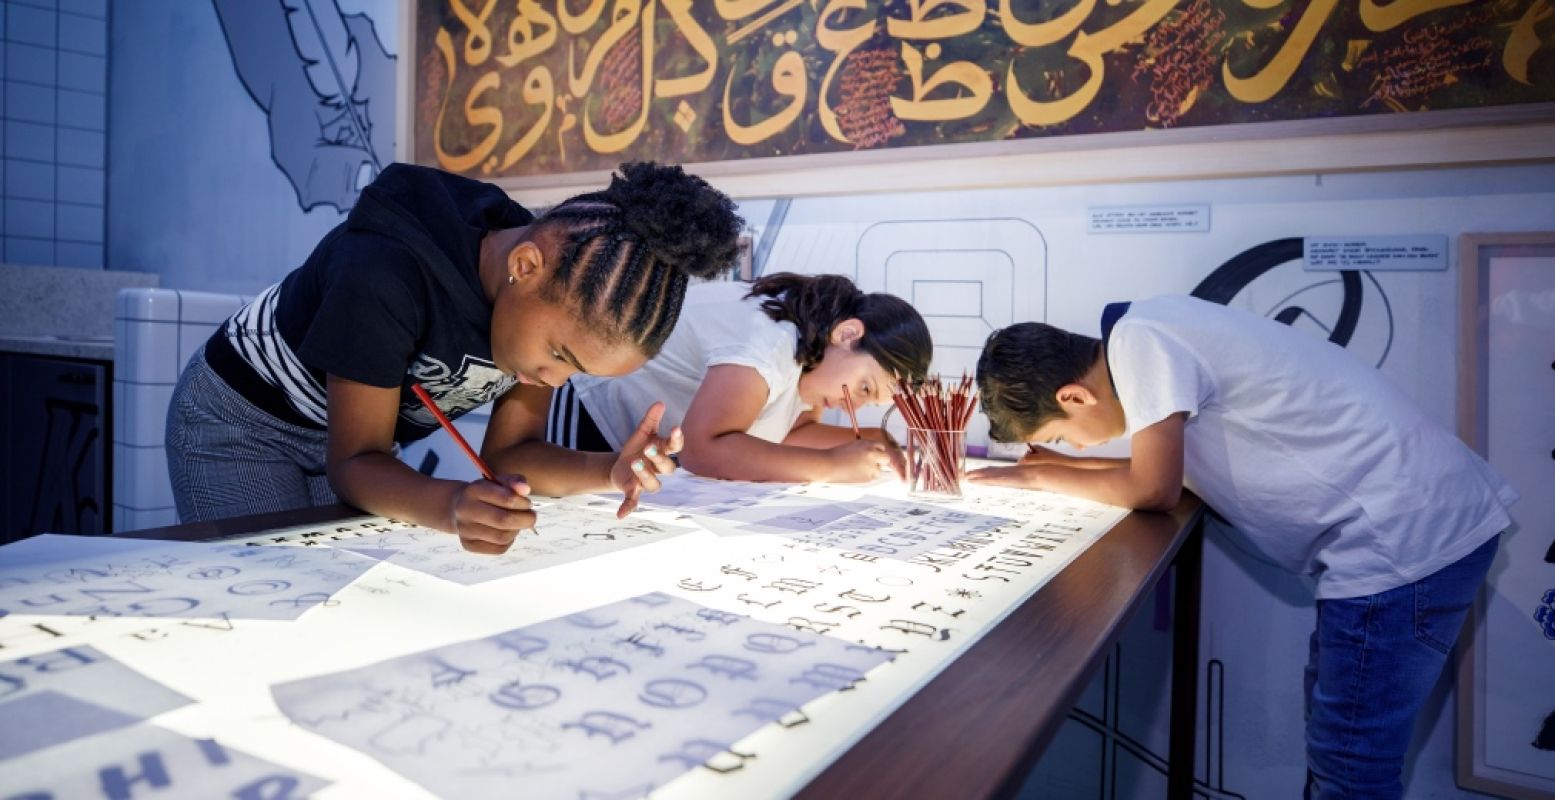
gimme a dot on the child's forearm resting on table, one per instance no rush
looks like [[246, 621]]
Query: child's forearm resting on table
[[555, 470], [740, 456], [1117, 486], [820, 435], [1149, 479]]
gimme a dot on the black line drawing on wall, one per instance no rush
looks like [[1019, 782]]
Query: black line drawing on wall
[[1116, 744], [326, 84], [967, 277], [1335, 303]]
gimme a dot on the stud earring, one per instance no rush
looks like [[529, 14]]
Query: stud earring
[[512, 280]]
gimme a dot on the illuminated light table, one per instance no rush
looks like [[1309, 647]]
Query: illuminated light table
[[994, 657]]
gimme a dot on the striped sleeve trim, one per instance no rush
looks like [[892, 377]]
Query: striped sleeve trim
[[254, 335]]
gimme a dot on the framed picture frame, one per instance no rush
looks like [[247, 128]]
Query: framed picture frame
[[1506, 379], [522, 125]]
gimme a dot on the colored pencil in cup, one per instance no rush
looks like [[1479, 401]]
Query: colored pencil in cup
[[454, 432], [937, 413]]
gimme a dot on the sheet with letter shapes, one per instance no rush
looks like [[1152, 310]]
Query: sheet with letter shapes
[[564, 531], [407, 682], [612, 701]]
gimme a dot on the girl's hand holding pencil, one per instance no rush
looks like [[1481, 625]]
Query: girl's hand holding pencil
[[487, 514], [859, 461], [896, 458]]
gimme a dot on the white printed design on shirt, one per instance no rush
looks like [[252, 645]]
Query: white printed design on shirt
[[475, 383]]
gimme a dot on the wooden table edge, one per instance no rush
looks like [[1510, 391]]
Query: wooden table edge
[[896, 758]]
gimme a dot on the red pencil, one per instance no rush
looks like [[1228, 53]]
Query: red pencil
[[847, 397], [454, 432]]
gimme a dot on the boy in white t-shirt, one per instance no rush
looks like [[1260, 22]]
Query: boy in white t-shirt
[[1322, 463]]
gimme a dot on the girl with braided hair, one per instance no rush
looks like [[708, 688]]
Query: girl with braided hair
[[305, 394], [743, 380]]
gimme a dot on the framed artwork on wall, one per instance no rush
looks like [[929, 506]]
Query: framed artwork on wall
[[528, 94], [1506, 412]]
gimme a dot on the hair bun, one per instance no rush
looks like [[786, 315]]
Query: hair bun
[[679, 217]]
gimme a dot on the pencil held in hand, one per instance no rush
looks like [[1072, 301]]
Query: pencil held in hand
[[448, 425], [847, 399]]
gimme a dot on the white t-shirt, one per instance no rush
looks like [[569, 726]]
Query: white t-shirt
[[1312, 453], [716, 326]]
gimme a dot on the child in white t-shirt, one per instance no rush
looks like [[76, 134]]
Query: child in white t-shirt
[[741, 382], [1311, 453]]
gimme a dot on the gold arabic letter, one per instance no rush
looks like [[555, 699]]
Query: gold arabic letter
[[477, 43], [680, 14], [1523, 42], [789, 80], [540, 91], [841, 41], [1044, 33], [522, 41], [962, 73], [731, 10], [1268, 82], [473, 115], [578, 23], [918, 26], [1387, 17], [1088, 49], [616, 142], [622, 20]]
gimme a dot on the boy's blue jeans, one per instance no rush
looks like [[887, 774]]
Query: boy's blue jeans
[[1374, 660]]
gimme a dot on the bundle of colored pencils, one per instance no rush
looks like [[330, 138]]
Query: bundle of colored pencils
[[937, 413]]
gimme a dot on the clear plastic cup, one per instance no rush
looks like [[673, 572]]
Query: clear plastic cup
[[936, 463]]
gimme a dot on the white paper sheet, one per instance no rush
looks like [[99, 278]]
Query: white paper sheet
[[689, 493], [611, 702], [877, 525], [53, 697], [564, 534], [148, 761], [110, 577]]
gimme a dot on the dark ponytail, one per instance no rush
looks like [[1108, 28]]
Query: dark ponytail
[[628, 252], [894, 334]]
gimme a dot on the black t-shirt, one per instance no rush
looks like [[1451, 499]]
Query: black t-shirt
[[390, 297]]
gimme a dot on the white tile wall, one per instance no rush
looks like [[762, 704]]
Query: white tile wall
[[154, 357], [207, 308], [140, 479], [155, 332], [53, 95], [144, 407]]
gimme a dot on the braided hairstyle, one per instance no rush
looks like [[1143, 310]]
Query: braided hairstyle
[[894, 334], [628, 252]]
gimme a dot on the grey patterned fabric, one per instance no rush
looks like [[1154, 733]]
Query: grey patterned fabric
[[228, 458]]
